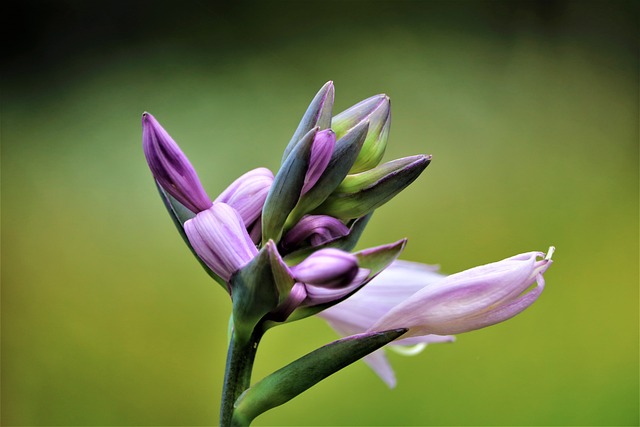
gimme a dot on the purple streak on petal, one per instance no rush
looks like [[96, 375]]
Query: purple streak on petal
[[316, 229], [248, 193], [220, 239], [509, 310], [170, 167], [328, 268], [321, 151], [255, 231]]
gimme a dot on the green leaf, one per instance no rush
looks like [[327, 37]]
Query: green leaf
[[254, 293], [281, 276], [180, 214], [288, 382]]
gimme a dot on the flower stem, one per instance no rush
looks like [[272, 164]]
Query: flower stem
[[237, 377]]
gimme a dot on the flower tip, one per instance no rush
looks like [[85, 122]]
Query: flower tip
[[550, 252]]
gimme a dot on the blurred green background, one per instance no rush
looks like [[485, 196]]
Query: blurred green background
[[530, 110]]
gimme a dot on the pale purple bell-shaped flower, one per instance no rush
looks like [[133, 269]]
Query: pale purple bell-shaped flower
[[170, 167], [473, 299], [247, 195], [314, 230], [321, 150], [361, 310], [219, 237]]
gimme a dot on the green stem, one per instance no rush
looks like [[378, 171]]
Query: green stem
[[237, 377]]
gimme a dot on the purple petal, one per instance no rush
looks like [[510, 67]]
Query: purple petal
[[328, 268], [297, 295], [320, 294], [220, 239], [468, 300], [361, 310], [321, 151], [314, 229], [170, 167], [248, 193]]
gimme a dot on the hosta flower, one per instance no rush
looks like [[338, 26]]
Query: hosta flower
[[433, 306], [359, 312], [473, 299], [219, 237], [170, 167]]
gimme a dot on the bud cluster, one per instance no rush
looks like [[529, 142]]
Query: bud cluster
[[280, 244], [305, 218]]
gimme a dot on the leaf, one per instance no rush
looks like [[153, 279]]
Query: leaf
[[298, 376], [254, 293]]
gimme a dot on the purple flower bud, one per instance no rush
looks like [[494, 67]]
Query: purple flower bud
[[220, 239], [170, 167], [328, 268], [247, 194], [323, 294], [314, 229], [473, 299], [321, 151]]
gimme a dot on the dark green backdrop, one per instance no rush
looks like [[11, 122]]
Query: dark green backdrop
[[530, 110]]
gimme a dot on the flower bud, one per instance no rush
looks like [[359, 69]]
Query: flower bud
[[318, 114], [328, 268], [321, 150], [377, 111], [314, 230], [170, 167], [361, 193], [247, 194], [219, 237]]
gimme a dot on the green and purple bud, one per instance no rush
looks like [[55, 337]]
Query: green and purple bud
[[171, 168], [219, 237], [377, 112], [359, 194], [318, 115]]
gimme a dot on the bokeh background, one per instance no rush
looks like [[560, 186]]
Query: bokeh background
[[530, 110]]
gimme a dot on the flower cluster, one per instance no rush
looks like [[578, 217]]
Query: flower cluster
[[280, 244]]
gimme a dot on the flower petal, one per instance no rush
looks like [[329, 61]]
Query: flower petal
[[248, 193], [220, 239], [463, 302]]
